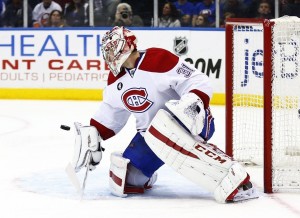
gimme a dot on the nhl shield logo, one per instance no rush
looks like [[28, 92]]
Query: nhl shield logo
[[180, 45]]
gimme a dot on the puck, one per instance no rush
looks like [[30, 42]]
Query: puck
[[65, 127]]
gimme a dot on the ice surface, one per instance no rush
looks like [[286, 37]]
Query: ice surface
[[34, 152]]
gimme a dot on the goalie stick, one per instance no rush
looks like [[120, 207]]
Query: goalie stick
[[79, 186], [86, 142]]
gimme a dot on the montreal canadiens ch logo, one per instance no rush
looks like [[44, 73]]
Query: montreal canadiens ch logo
[[135, 100]]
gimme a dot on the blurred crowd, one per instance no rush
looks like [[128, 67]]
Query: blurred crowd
[[137, 13]]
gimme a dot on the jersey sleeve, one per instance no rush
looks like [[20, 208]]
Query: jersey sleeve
[[109, 120], [170, 71], [185, 78]]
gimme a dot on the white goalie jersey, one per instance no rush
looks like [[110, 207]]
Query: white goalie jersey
[[159, 76]]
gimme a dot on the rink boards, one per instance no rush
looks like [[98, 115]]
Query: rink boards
[[68, 64]]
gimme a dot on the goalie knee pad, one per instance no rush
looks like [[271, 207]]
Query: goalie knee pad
[[117, 174], [202, 163], [127, 179]]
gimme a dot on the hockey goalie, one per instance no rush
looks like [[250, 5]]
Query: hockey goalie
[[170, 101]]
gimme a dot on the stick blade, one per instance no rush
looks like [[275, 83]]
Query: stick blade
[[73, 178]]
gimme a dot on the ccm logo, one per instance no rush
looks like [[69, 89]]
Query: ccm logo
[[210, 154]]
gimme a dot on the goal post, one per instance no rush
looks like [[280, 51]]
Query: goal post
[[263, 98]]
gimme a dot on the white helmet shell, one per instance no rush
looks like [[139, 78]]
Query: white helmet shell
[[117, 45]]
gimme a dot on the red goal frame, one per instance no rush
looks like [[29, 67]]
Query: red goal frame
[[267, 66]]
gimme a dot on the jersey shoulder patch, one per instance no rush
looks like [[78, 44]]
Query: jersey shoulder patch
[[158, 60]]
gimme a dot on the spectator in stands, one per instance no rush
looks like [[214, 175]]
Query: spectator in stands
[[184, 7], [202, 21], [13, 15], [169, 16], [56, 19], [186, 10], [40, 14], [104, 11], [225, 17], [206, 8], [185, 21], [264, 11], [290, 7], [251, 8], [77, 13], [233, 6], [124, 17], [144, 9]]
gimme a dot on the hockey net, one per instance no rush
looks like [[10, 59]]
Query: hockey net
[[263, 98]]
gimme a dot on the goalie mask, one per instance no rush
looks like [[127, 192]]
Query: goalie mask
[[117, 45]]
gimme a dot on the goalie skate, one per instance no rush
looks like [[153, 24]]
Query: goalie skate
[[245, 192]]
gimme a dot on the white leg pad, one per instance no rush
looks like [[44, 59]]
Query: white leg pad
[[204, 164], [117, 174]]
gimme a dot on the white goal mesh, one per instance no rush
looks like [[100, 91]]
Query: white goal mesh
[[251, 46]]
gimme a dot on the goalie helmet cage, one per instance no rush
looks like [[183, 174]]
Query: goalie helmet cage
[[263, 98]]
